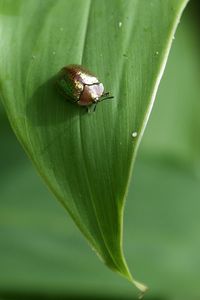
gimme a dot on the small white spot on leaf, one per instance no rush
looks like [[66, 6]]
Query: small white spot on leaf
[[134, 134]]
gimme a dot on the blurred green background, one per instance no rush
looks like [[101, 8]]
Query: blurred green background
[[44, 256]]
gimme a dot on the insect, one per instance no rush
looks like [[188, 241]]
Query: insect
[[80, 86]]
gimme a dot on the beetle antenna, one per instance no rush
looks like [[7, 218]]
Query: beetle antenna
[[105, 98]]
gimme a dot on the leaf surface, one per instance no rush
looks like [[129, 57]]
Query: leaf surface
[[85, 159]]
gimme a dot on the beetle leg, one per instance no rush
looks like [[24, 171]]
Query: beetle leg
[[89, 110], [95, 105]]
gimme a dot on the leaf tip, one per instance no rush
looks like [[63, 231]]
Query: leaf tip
[[141, 287]]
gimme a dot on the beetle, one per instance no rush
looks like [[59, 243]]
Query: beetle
[[80, 86]]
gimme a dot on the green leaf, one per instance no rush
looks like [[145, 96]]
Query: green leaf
[[86, 159]]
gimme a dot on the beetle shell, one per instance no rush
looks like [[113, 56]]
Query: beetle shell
[[80, 86]]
